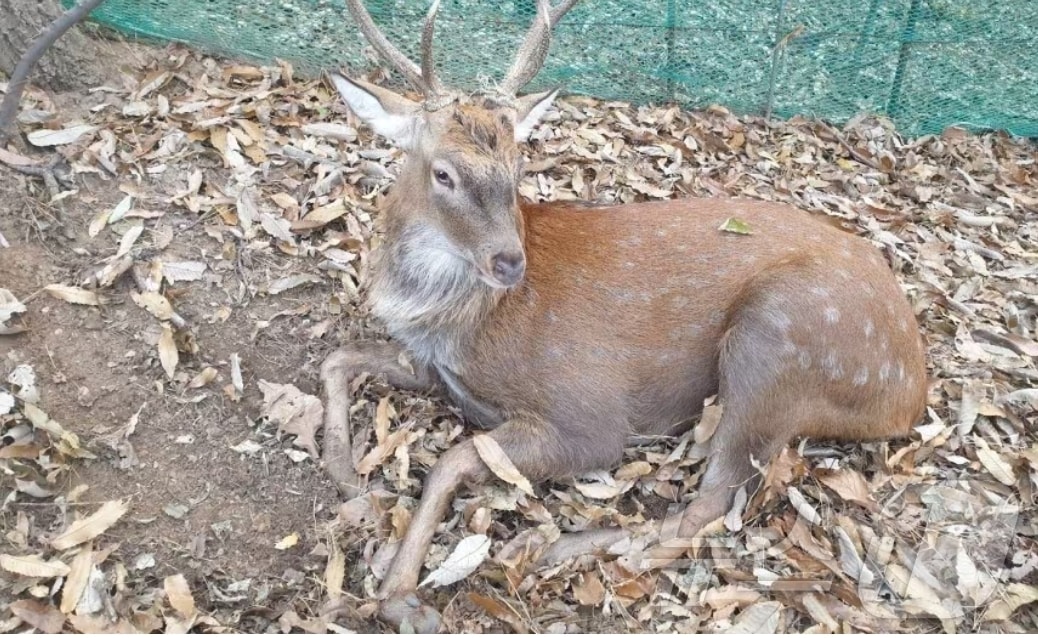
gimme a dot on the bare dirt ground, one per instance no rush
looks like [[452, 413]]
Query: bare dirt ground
[[224, 212]]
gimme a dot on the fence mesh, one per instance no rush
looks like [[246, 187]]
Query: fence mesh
[[925, 63]]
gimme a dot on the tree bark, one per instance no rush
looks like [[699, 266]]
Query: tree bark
[[74, 62]]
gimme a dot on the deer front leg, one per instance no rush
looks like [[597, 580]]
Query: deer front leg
[[337, 373], [539, 450]]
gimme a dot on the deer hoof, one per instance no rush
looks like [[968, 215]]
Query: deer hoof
[[407, 614]]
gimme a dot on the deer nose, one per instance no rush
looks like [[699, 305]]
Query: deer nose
[[509, 268]]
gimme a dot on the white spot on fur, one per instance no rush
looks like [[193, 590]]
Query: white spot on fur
[[780, 320], [832, 315], [861, 377], [804, 359], [628, 265], [843, 274], [900, 371], [884, 371], [832, 367], [685, 333], [903, 325]]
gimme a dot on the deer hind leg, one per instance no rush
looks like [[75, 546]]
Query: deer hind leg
[[538, 450], [729, 468], [337, 373], [757, 388]]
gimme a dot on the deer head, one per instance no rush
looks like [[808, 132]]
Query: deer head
[[459, 182]]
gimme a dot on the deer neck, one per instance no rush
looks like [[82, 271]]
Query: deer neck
[[428, 297]]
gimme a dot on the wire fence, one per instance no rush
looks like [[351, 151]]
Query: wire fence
[[927, 64]]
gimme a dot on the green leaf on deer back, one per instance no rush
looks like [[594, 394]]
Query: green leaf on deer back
[[735, 225]]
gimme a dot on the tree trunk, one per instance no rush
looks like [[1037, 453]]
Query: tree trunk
[[75, 61]]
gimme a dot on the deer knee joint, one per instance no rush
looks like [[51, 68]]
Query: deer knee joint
[[458, 464], [338, 363]]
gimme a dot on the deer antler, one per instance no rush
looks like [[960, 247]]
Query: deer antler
[[422, 78], [428, 68], [534, 50]]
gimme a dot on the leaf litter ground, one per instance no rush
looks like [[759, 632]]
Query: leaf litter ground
[[163, 325]]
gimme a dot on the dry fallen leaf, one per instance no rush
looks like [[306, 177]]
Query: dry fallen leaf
[[287, 542], [601, 490], [59, 137], [9, 306], [73, 294], [110, 216], [128, 239], [499, 610], [851, 486], [179, 594], [33, 566], [803, 508], [90, 527], [759, 618], [290, 282], [77, 580], [994, 463], [589, 590], [466, 557], [383, 450], [708, 423], [203, 378], [237, 385], [155, 303], [183, 271], [491, 453], [43, 617], [335, 570], [1016, 595], [168, 355], [294, 413]]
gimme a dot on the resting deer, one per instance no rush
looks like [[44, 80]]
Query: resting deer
[[568, 328]]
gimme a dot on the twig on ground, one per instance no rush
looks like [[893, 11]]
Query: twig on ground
[[855, 153]]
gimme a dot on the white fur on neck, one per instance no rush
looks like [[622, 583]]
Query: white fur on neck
[[428, 297]]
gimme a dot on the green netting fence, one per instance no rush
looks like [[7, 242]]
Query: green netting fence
[[927, 64]]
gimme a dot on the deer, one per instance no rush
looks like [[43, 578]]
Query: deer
[[565, 329]]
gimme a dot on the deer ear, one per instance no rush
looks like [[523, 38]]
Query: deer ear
[[529, 109], [390, 115]]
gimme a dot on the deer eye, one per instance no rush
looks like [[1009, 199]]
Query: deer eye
[[443, 178]]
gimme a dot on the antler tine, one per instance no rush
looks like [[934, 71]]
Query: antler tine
[[385, 48], [534, 50], [428, 68]]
